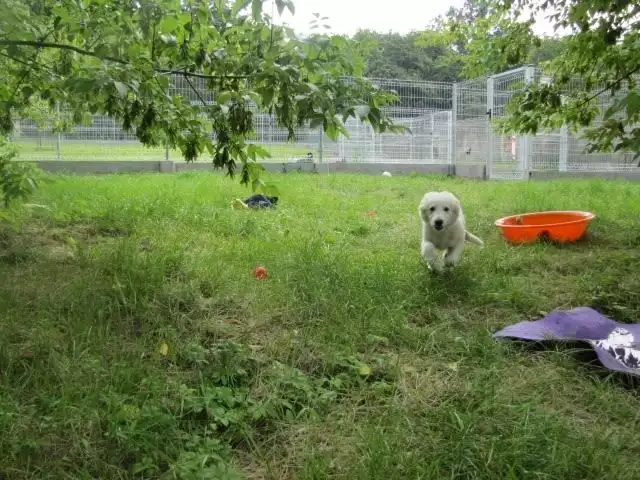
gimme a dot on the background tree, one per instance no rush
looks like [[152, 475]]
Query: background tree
[[392, 59], [392, 55], [481, 39], [546, 50], [478, 39]]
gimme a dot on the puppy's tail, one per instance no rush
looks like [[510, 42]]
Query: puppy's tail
[[470, 237]]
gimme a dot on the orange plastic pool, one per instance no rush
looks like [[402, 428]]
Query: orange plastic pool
[[562, 226]]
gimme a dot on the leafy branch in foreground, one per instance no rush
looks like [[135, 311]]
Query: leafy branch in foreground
[[123, 60], [17, 180], [591, 85]]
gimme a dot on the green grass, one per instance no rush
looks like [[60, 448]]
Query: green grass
[[74, 150], [351, 361]]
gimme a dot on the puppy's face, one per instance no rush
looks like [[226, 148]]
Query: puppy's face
[[439, 209]]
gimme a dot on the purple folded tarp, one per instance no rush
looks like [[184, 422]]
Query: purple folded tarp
[[615, 343]]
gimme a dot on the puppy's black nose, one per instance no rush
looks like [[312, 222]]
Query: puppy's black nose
[[438, 224]]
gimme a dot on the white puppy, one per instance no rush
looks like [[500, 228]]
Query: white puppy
[[443, 228]]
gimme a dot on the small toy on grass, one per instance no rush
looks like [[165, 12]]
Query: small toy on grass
[[260, 273], [261, 201], [238, 204], [255, 201]]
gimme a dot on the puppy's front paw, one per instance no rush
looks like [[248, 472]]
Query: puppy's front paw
[[451, 259], [435, 267], [450, 262]]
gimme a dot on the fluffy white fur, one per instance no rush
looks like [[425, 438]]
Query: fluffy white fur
[[443, 228]]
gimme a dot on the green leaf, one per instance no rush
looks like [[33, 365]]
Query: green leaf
[[288, 4], [254, 151], [121, 87], [374, 116], [267, 96], [169, 24], [239, 5], [87, 119], [163, 81], [270, 190], [254, 170], [254, 97], [316, 121], [83, 85], [256, 10], [332, 131], [362, 111], [207, 125], [134, 50], [633, 104], [224, 97]]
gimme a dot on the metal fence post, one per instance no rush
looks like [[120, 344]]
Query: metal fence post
[[433, 134], [564, 149], [321, 146], [529, 78], [490, 144], [412, 140], [452, 124], [58, 135]]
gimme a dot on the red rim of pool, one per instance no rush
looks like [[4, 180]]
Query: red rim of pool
[[582, 217]]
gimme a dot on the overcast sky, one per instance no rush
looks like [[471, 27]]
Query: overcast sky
[[402, 16]]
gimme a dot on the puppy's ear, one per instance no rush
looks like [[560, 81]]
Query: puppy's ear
[[422, 207]]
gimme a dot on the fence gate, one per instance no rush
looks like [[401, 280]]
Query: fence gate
[[470, 125]]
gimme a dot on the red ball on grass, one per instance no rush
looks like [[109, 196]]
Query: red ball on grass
[[260, 273]]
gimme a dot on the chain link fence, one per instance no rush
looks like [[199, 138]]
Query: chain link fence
[[448, 124]]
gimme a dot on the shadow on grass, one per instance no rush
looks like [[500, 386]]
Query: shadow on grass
[[585, 357], [443, 288]]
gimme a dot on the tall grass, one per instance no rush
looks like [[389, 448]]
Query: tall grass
[[136, 342], [110, 150]]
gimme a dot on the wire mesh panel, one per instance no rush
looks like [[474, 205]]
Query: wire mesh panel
[[563, 150], [441, 132], [424, 107], [548, 148], [509, 155], [449, 123], [546, 151], [358, 147], [578, 158], [471, 123], [426, 141], [36, 139]]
